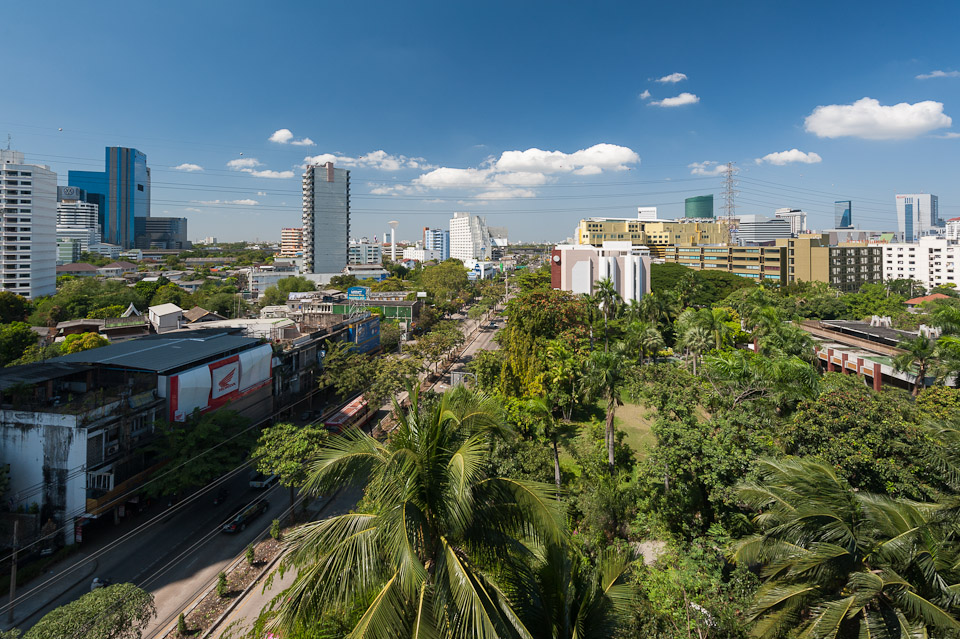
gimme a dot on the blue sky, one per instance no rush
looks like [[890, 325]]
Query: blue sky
[[483, 107]]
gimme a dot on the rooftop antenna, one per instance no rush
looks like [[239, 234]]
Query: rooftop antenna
[[8, 141]]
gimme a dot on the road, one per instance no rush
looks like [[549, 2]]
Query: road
[[174, 556]]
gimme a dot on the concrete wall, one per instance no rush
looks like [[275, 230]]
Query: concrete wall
[[47, 453]]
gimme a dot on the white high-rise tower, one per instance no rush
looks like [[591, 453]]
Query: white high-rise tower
[[28, 216]]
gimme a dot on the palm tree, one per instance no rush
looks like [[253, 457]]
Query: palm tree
[[838, 563], [420, 560], [946, 361], [553, 431], [788, 340], [606, 378], [947, 317], [743, 376], [696, 340], [646, 339], [658, 308], [577, 601], [565, 366], [918, 352], [609, 302]]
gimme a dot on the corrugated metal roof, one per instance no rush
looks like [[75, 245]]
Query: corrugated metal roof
[[163, 353], [38, 372]]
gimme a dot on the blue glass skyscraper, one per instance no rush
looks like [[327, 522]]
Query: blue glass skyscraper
[[122, 191], [843, 214]]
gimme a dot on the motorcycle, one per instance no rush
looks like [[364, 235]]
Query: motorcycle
[[221, 497]]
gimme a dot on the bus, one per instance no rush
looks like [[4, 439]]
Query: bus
[[355, 413]]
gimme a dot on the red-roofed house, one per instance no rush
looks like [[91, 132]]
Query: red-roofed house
[[80, 269], [917, 301]]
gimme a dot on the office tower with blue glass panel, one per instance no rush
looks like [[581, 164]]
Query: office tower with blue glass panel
[[918, 214], [843, 214], [122, 191]]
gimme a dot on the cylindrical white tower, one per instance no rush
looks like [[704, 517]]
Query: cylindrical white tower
[[393, 239]]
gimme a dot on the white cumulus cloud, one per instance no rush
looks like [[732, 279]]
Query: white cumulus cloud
[[596, 159], [786, 157], [868, 119], [248, 165], [189, 168], [241, 164], [939, 74], [673, 78], [261, 192], [191, 209], [380, 160], [678, 100], [645, 95], [949, 135], [229, 202], [285, 136], [706, 168], [514, 173]]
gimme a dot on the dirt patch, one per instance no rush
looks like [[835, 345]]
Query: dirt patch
[[213, 605]]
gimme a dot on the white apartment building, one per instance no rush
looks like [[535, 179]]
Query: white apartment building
[[952, 231], [918, 214], [469, 237], [436, 240], [422, 254], [28, 214], [647, 213], [577, 268], [932, 261], [364, 252], [260, 278]]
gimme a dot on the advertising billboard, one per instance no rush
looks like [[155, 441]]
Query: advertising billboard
[[212, 385]]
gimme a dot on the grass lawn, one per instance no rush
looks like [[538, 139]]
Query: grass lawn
[[630, 419]]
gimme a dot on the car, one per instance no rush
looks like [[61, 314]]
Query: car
[[247, 515], [259, 480], [493, 325]]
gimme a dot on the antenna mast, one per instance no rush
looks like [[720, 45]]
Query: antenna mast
[[730, 197]]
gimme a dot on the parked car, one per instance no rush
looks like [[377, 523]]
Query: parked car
[[493, 325], [259, 480], [246, 516]]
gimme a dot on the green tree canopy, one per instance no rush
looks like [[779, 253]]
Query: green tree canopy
[[121, 611], [15, 338], [13, 308], [82, 342], [284, 449], [277, 294]]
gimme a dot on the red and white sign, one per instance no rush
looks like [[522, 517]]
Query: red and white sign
[[225, 377]]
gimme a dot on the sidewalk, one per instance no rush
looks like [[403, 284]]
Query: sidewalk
[[72, 572]]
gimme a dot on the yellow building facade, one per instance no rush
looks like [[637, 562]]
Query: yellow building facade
[[654, 235]]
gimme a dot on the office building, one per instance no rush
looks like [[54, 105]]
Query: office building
[[438, 241], [75, 211], [28, 212], [795, 217], [699, 206], [291, 242], [162, 233], [759, 229], [918, 214], [577, 268], [469, 238], [421, 255], [124, 193], [68, 251], [654, 235], [86, 238], [754, 262], [931, 260], [846, 267], [326, 219], [843, 214], [364, 252]]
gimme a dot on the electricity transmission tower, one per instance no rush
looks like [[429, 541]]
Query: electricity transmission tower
[[730, 193]]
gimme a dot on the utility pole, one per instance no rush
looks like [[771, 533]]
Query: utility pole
[[13, 570], [730, 197]]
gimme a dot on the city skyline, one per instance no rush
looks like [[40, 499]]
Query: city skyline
[[574, 113]]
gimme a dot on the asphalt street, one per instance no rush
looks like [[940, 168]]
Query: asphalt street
[[174, 557]]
